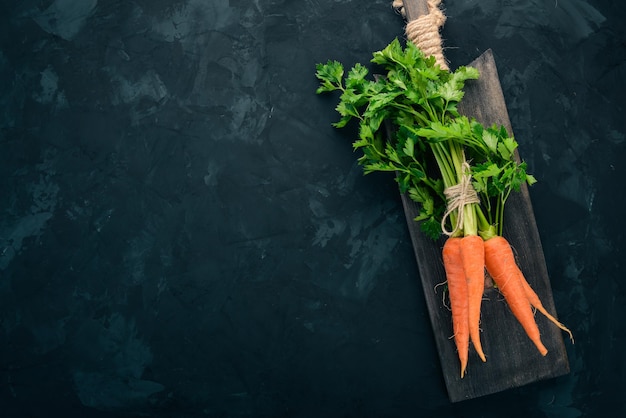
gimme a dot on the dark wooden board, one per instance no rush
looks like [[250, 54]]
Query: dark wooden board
[[414, 9], [512, 359]]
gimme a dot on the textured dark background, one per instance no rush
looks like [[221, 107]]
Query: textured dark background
[[183, 234]]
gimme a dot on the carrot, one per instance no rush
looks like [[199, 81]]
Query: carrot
[[473, 256], [457, 289], [534, 300], [501, 265]]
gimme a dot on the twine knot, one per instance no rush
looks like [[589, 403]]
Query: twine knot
[[457, 197]]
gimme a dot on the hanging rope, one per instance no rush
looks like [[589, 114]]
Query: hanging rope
[[424, 31]]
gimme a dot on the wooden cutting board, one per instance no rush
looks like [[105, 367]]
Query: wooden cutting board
[[512, 359]]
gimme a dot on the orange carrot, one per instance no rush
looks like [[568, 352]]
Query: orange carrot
[[473, 256], [534, 300], [501, 265], [457, 288]]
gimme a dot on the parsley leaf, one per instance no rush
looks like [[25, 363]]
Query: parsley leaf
[[430, 140]]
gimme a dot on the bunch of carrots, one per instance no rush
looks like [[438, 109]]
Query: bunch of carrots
[[465, 259], [475, 245], [462, 194]]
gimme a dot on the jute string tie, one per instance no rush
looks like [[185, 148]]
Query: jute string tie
[[457, 197], [424, 31]]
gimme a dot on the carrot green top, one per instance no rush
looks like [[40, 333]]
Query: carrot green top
[[433, 149]]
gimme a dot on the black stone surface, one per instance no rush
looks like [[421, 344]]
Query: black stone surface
[[183, 234]]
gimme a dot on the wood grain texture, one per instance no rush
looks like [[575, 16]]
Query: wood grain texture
[[414, 9], [512, 359]]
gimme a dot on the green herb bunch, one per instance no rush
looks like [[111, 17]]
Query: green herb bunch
[[428, 141]]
